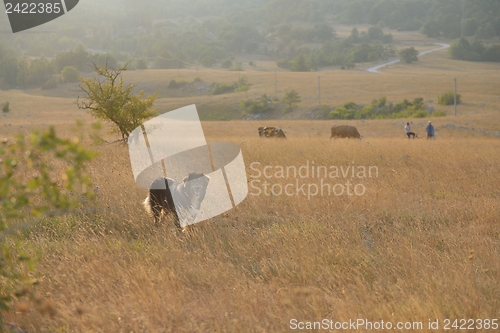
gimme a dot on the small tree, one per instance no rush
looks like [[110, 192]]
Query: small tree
[[70, 74], [108, 99], [409, 55], [291, 99]]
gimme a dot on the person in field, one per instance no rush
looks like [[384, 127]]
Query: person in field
[[408, 131], [430, 131]]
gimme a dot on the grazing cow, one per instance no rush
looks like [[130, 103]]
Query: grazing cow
[[344, 131], [271, 132]]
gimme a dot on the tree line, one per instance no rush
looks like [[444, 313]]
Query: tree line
[[22, 71], [172, 35]]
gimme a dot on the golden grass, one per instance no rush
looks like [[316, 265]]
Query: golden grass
[[422, 243]]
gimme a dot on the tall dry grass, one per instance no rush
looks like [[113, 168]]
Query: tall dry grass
[[422, 243]]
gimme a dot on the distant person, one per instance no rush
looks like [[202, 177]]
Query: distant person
[[408, 131], [430, 131]]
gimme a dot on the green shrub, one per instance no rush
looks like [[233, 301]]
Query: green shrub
[[241, 85], [439, 113], [238, 86], [261, 105], [380, 109], [238, 67], [142, 64], [342, 113], [221, 88], [176, 84], [70, 74], [291, 99], [50, 84], [420, 114], [448, 98]]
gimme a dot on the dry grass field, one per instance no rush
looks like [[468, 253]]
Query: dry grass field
[[421, 243]]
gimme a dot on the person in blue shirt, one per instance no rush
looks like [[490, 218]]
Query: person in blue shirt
[[430, 130]]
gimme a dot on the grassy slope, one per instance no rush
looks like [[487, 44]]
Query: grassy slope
[[422, 243]]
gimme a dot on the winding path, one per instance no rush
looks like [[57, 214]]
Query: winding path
[[376, 68]]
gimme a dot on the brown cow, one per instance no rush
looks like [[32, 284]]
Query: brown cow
[[271, 132], [344, 131]]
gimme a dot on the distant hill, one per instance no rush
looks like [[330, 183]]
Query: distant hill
[[297, 34]]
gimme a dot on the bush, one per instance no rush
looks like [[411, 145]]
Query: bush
[[242, 88], [291, 99], [448, 98], [176, 84], [409, 55], [242, 84], [238, 86], [70, 74], [283, 63], [492, 53], [6, 107], [126, 111], [261, 105], [380, 109], [227, 63], [50, 84], [342, 113], [380, 102], [299, 64], [323, 111]]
